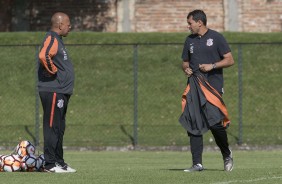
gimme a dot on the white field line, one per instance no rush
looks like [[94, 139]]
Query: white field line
[[250, 181]]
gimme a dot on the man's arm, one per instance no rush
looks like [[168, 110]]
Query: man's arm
[[186, 69], [50, 48], [227, 61]]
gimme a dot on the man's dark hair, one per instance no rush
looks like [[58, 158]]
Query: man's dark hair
[[198, 15]]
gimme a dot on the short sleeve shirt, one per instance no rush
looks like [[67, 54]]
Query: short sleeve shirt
[[206, 49]]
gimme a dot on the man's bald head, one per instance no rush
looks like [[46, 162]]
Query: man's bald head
[[57, 18], [60, 23]]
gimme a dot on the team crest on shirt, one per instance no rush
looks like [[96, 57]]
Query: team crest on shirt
[[209, 42], [60, 103]]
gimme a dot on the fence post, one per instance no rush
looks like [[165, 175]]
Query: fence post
[[135, 78], [240, 93]]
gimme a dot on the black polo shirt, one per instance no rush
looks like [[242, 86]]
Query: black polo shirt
[[206, 49]]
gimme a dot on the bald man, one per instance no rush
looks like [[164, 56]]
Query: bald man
[[55, 86]]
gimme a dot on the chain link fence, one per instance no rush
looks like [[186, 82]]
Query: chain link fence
[[130, 95]]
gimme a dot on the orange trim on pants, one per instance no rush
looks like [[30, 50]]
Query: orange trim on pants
[[52, 110]]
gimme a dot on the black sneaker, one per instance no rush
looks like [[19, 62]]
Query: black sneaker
[[197, 167], [228, 164]]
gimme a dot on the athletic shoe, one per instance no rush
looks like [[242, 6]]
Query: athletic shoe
[[69, 169], [197, 167], [66, 168], [55, 169], [228, 164]]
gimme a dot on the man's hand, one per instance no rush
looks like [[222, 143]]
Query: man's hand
[[188, 71], [206, 67]]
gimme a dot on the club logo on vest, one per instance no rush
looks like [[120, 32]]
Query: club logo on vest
[[210, 42], [60, 103]]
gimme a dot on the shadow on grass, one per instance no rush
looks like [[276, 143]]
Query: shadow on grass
[[127, 134], [201, 171], [174, 169]]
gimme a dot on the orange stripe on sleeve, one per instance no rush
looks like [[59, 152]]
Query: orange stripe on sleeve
[[50, 48]]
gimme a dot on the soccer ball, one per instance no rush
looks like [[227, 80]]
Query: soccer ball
[[25, 148], [1, 161], [11, 163], [29, 163], [40, 162]]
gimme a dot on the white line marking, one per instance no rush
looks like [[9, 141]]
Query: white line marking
[[249, 181]]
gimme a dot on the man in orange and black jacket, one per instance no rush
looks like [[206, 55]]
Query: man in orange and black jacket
[[55, 86]]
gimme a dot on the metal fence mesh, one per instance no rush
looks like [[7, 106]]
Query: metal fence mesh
[[131, 95]]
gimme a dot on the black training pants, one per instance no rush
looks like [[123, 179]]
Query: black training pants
[[54, 113], [220, 136]]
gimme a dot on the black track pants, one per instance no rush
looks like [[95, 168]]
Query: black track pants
[[220, 136], [54, 113]]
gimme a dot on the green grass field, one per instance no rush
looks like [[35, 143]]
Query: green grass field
[[139, 167]]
